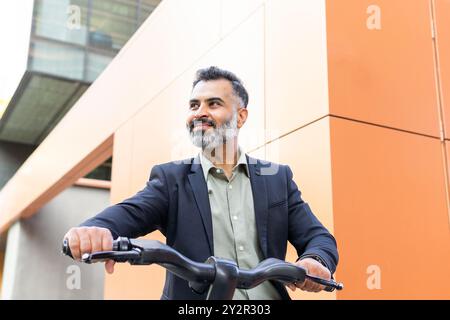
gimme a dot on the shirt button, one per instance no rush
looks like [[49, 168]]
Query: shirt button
[[230, 186], [235, 217], [241, 248]]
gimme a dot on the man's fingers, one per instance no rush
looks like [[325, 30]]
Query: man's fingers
[[316, 269], [109, 266], [302, 285], [85, 243], [107, 241], [74, 245], [310, 286], [95, 237], [292, 286], [88, 239]]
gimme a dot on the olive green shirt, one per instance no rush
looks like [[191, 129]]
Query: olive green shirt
[[233, 218]]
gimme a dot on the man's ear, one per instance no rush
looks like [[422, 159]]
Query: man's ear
[[242, 117]]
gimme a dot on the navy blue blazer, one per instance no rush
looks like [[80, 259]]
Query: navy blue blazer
[[175, 201]]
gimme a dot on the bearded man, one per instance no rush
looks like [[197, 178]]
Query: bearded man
[[221, 202]]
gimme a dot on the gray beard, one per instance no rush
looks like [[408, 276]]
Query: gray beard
[[215, 138]]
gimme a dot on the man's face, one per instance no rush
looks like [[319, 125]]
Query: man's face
[[214, 114]]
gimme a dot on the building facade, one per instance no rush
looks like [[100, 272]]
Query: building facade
[[353, 95]]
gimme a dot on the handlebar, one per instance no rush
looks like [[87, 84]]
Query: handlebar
[[201, 275]]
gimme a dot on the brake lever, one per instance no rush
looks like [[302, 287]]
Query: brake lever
[[330, 285], [118, 256]]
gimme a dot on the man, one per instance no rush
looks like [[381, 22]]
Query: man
[[221, 203]]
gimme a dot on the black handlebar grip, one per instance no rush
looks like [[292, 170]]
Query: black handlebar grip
[[333, 286], [329, 289], [121, 244], [336, 285], [330, 285], [66, 248], [339, 286]]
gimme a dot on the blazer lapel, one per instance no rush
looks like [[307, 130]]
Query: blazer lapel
[[200, 189], [259, 190]]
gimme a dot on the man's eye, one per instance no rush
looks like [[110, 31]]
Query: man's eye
[[193, 106]]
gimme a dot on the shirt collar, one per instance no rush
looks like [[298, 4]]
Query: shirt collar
[[207, 164]]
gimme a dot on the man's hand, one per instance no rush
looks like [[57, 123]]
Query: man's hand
[[90, 239], [313, 268]]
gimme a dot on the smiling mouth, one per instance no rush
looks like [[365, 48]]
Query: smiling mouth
[[203, 126]]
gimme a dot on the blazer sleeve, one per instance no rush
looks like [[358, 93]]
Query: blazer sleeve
[[306, 233], [139, 215]]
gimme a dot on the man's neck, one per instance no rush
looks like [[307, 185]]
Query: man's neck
[[224, 156]]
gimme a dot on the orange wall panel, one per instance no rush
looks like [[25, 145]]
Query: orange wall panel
[[442, 17], [381, 63], [389, 204]]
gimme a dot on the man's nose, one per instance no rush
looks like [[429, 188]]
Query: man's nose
[[202, 111]]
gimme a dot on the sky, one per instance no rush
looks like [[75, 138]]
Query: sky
[[15, 26]]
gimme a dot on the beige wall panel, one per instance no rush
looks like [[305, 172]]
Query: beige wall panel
[[46, 173], [135, 282], [296, 64], [242, 52], [160, 133], [122, 163], [307, 152], [159, 136], [259, 153], [234, 12], [167, 44], [2, 263], [159, 128]]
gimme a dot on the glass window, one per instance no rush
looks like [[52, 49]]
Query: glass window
[[64, 20], [105, 26], [112, 23], [40, 102], [74, 96], [57, 59], [95, 65], [146, 8], [102, 172]]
